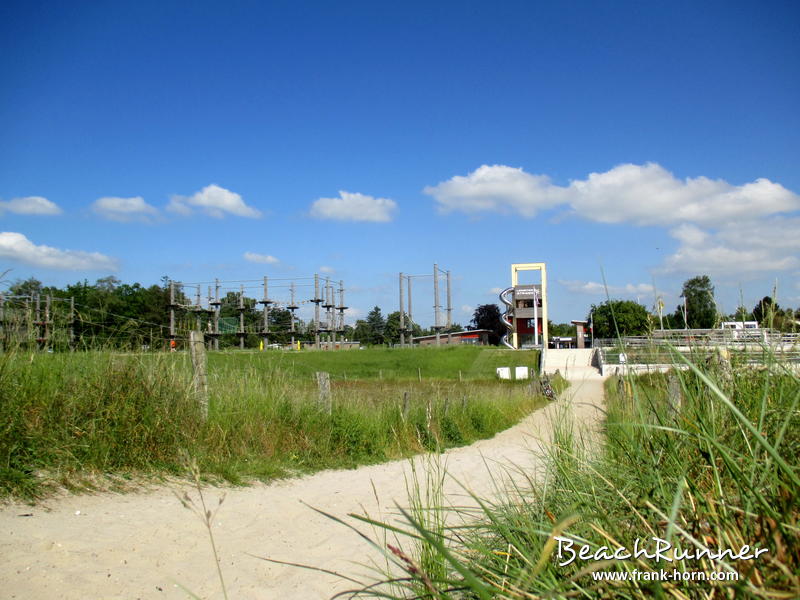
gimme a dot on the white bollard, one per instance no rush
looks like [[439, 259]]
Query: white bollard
[[504, 372]]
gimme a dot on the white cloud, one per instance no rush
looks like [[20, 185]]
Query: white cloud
[[354, 207], [17, 247], [651, 195], [467, 309], [325, 269], [214, 201], [743, 248], [689, 234], [124, 210], [266, 259], [600, 289], [30, 205], [496, 291], [639, 194], [497, 188]]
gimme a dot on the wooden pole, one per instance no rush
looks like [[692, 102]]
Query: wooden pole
[[199, 380], [324, 386]]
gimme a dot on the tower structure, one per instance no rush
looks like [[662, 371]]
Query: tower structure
[[526, 309]]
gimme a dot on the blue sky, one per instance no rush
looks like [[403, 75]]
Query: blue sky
[[649, 141]]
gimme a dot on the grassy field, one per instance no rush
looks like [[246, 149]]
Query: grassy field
[[704, 460], [455, 362], [95, 418]]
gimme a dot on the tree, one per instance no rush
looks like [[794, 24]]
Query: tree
[[561, 329], [28, 287], [454, 328], [376, 327], [741, 314], [361, 332], [487, 316], [764, 312], [700, 307], [619, 317], [392, 329]]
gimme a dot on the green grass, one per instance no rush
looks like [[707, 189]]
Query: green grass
[[86, 419], [705, 458], [473, 362]]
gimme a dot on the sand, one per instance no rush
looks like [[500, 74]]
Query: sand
[[147, 545]]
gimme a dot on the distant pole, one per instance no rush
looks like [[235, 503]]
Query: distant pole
[[171, 310], [402, 310], [436, 302], [216, 314], [342, 307], [209, 327], [410, 317], [316, 311], [449, 303], [38, 319], [331, 315], [197, 309], [48, 301], [241, 317], [292, 308], [266, 312]]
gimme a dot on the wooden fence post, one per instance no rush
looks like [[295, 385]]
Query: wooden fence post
[[674, 395], [197, 350], [324, 385], [405, 406]]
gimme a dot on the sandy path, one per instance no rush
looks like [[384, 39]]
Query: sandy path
[[139, 545]]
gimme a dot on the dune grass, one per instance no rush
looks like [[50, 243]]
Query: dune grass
[[86, 419], [704, 459]]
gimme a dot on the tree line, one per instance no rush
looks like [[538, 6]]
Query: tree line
[[698, 310], [615, 317], [109, 311]]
